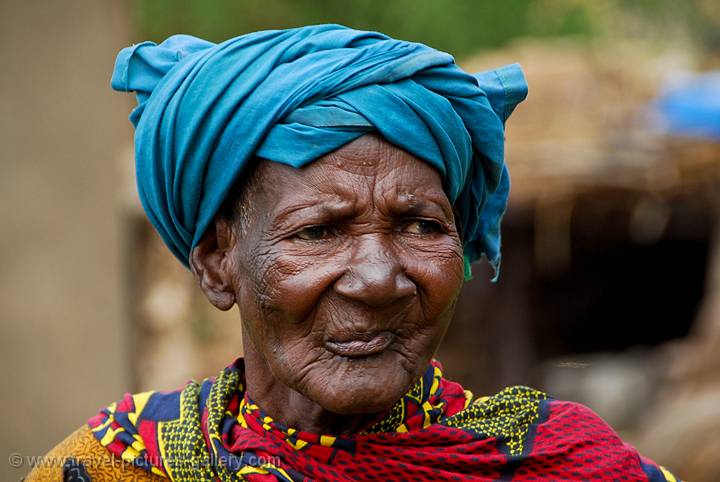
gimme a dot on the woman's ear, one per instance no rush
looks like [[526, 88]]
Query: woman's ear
[[210, 262]]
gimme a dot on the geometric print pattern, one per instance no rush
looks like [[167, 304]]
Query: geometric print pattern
[[438, 431]]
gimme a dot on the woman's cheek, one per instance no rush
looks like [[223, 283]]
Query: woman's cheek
[[299, 282], [438, 270]]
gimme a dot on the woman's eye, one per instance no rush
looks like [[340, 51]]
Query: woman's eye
[[313, 233], [422, 226]]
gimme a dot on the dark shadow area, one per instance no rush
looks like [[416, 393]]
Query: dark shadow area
[[625, 282]]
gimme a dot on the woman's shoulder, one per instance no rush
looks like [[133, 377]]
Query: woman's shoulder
[[578, 434], [556, 439], [81, 458], [110, 446]]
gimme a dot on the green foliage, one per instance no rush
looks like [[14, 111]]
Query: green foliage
[[456, 26], [461, 27]]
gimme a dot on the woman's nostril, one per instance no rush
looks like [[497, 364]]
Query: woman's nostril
[[375, 284], [406, 285]]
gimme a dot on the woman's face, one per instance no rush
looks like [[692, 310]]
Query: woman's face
[[346, 273]]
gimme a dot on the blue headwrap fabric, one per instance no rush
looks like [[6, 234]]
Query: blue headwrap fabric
[[206, 110]]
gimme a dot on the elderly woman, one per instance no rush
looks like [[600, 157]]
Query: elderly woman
[[335, 185]]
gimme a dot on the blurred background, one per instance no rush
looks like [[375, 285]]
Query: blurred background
[[610, 290]]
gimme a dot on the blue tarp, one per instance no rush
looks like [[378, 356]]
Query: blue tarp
[[692, 108]]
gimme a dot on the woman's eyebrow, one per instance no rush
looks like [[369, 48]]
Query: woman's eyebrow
[[328, 209], [418, 206]]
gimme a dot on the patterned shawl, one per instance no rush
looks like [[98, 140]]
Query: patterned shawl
[[437, 431]]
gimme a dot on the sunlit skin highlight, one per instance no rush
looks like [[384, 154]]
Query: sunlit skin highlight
[[346, 274]]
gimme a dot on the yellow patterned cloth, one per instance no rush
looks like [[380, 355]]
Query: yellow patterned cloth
[[91, 460]]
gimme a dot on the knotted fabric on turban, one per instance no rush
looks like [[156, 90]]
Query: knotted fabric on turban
[[206, 110]]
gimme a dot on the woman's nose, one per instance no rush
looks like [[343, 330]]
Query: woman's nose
[[375, 275]]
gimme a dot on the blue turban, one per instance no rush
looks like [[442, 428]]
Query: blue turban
[[206, 110]]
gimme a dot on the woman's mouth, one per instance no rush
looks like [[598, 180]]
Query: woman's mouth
[[360, 345]]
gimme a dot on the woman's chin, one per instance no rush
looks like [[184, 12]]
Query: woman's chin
[[361, 389], [358, 402]]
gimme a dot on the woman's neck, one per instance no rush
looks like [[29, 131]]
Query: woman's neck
[[290, 407]]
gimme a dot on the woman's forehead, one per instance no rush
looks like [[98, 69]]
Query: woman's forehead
[[369, 165]]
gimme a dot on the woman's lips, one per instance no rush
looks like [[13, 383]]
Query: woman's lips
[[360, 346]]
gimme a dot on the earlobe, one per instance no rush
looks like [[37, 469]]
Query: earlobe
[[209, 263]]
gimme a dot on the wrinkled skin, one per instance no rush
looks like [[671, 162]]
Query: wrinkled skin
[[346, 274]]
